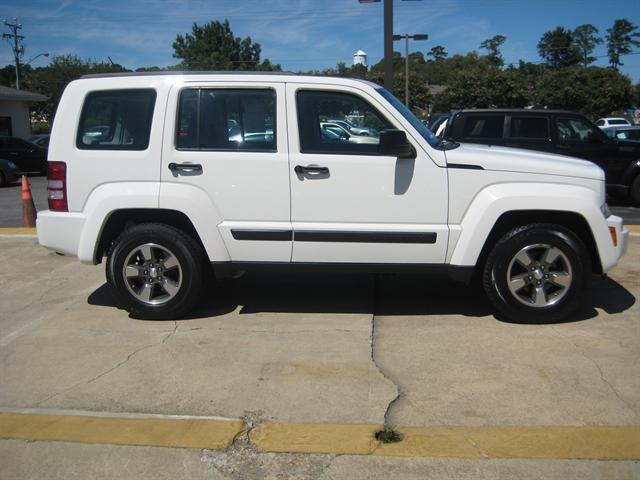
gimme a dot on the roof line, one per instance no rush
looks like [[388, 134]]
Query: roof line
[[184, 72]]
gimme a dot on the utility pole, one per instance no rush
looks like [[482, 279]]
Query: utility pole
[[18, 49], [406, 36]]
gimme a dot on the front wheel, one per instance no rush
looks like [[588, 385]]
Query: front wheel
[[537, 273], [155, 271]]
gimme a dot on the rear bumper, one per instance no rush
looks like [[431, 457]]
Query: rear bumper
[[60, 231]]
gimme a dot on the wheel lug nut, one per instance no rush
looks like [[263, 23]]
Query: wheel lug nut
[[146, 272]]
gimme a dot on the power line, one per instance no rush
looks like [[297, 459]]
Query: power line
[[18, 50]]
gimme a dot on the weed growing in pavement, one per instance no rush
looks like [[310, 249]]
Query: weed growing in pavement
[[389, 434]]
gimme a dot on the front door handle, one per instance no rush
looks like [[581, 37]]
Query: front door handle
[[311, 169], [191, 168]]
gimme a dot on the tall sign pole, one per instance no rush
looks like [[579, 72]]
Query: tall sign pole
[[388, 45]]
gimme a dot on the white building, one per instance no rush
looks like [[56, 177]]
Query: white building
[[360, 58], [14, 111]]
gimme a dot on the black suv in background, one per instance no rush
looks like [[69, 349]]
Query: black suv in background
[[27, 156], [554, 131]]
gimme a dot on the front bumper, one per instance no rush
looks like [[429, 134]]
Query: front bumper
[[622, 238]]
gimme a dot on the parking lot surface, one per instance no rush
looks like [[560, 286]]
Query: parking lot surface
[[312, 349]]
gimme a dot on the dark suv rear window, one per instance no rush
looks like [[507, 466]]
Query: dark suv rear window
[[529, 127], [483, 126], [116, 120]]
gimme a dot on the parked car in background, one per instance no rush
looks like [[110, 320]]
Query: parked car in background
[[27, 156], [8, 172], [354, 129], [629, 133], [612, 121], [347, 135], [436, 119], [42, 140], [554, 131]]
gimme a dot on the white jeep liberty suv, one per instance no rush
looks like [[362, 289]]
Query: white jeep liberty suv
[[170, 174]]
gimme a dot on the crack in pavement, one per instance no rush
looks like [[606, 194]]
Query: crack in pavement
[[115, 367], [600, 372], [382, 371]]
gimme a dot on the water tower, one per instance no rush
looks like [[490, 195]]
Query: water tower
[[360, 58]]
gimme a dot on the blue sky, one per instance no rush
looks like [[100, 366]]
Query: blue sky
[[301, 34]]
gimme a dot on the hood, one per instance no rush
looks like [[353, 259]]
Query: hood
[[523, 161]]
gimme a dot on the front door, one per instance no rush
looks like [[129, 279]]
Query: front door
[[229, 142], [348, 203]]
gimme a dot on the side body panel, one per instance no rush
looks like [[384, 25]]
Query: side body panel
[[349, 214]]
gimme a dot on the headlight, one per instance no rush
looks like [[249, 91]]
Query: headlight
[[12, 165], [604, 208]]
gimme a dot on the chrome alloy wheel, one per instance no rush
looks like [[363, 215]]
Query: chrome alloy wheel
[[152, 274], [539, 275]]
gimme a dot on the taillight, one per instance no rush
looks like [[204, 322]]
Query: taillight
[[57, 187]]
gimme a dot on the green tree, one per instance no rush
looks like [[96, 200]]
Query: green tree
[[492, 46], [213, 47], [585, 38], [437, 53], [52, 79], [573, 89], [557, 49], [620, 38], [491, 88]]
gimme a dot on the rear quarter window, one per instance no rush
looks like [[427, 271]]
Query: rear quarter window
[[116, 120], [482, 127]]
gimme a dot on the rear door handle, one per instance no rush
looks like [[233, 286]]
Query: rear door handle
[[311, 169], [185, 167]]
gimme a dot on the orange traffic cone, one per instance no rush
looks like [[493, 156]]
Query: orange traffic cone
[[28, 208]]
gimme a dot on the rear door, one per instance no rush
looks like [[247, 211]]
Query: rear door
[[229, 140]]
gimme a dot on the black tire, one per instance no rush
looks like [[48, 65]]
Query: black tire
[[634, 191], [3, 179], [557, 302], [187, 278]]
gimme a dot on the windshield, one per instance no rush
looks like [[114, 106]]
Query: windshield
[[411, 118]]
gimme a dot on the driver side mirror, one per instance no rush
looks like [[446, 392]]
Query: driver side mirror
[[394, 143]]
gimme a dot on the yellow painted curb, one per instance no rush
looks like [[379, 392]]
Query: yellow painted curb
[[316, 438], [17, 231], [565, 442], [165, 432], [633, 228], [603, 443]]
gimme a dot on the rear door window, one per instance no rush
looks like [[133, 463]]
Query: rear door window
[[116, 120], [227, 119]]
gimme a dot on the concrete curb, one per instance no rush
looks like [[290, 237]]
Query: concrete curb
[[539, 442]]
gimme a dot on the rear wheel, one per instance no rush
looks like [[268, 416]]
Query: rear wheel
[[155, 271], [537, 273]]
